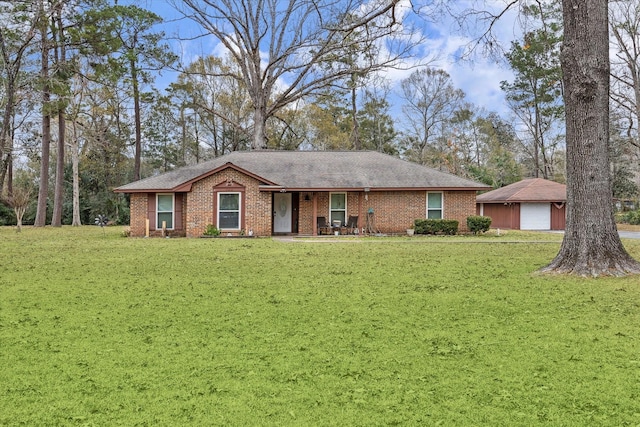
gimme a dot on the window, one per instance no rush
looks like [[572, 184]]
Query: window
[[338, 208], [164, 210], [434, 205], [229, 211]]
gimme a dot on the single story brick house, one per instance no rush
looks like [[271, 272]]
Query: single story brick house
[[530, 204], [266, 193]]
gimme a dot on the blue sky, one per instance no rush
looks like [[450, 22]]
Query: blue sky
[[479, 77]]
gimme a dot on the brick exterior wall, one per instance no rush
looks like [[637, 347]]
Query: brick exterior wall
[[200, 202], [138, 213], [459, 205], [393, 211], [140, 207], [305, 214]]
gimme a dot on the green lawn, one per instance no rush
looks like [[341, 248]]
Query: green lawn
[[101, 330]]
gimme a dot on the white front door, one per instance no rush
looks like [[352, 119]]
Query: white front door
[[282, 212]]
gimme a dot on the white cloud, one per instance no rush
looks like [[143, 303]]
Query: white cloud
[[479, 76]]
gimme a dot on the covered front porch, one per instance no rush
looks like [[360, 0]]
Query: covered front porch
[[314, 213]]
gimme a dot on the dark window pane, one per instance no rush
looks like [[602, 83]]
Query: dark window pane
[[435, 201], [229, 220], [168, 217], [338, 201], [434, 214], [338, 216], [165, 203], [229, 202]]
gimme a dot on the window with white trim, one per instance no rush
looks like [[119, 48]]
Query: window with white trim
[[229, 211], [164, 210], [338, 208], [434, 206]]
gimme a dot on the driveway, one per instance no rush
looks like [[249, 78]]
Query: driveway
[[629, 234]]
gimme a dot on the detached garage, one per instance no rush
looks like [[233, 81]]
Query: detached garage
[[530, 204]]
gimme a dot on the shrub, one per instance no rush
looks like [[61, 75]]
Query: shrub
[[436, 226], [631, 217], [7, 216], [211, 230], [478, 224]]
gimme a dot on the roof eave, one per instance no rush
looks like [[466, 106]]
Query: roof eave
[[185, 187], [281, 188], [521, 201], [143, 190]]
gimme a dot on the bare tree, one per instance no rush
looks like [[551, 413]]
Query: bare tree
[[625, 67], [430, 103], [287, 50], [219, 102], [19, 200]]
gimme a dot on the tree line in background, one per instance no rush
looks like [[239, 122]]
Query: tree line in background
[[82, 112]]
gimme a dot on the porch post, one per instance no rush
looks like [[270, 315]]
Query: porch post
[[315, 213], [359, 211]]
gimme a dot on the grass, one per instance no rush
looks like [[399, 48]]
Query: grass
[[96, 329]]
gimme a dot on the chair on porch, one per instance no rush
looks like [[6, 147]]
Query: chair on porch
[[323, 225], [352, 224]]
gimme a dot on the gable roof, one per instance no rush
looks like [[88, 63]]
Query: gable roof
[[527, 190], [311, 171]]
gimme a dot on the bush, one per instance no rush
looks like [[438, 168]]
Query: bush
[[631, 217], [435, 226], [7, 216], [211, 230], [478, 224]]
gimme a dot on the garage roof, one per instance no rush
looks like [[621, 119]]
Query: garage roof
[[527, 190]]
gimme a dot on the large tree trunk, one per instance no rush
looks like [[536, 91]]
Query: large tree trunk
[[10, 169], [41, 212], [136, 114], [75, 160], [6, 143], [260, 128], [355, 131], [591, 245], [58, 194]]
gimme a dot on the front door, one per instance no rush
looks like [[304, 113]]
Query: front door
[[282, 212]]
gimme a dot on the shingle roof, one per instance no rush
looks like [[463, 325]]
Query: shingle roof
[[527, 190], [312, 170]]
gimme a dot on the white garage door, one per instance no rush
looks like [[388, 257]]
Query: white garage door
[[535, 216]]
